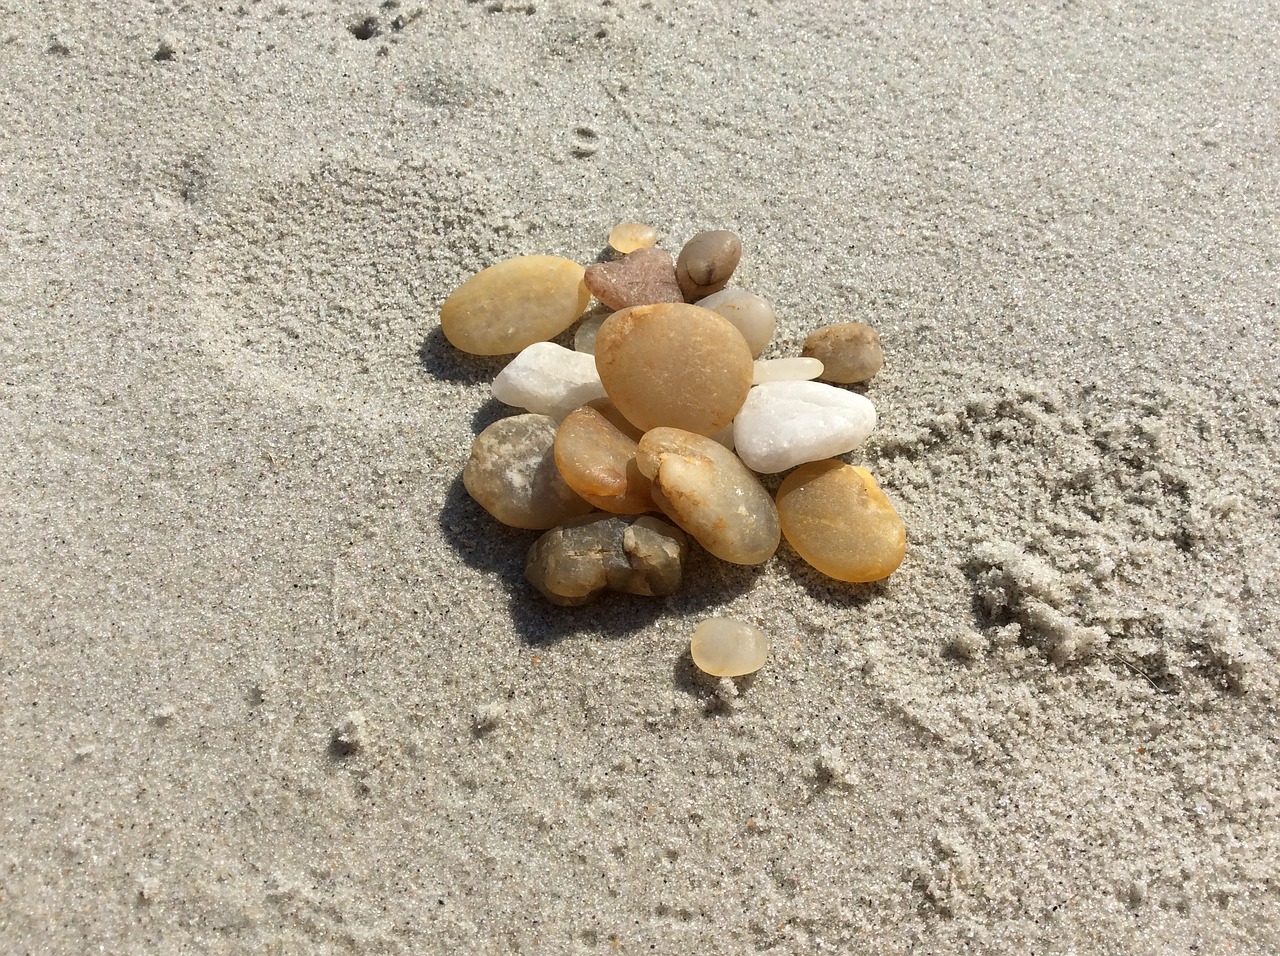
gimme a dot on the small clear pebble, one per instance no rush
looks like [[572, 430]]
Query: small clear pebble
[[707, 262], [674, 365], [512, 473], [584, 336], [573, 563], [643, 277], [849, 352], [753, 315], [627, 237], [723, 647], [838, 520], [783, 424], [515, 303], [598, 461], [548, 379], [788, 369], [705, 489]]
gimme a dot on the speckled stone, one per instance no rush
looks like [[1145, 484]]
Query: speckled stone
[[644, 277], [512, 473], [575, 562], [849, 352], [512, 304]]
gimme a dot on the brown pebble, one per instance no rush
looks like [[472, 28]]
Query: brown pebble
[[513, 304], [598, 461], [707, 262], [512, 474], [675, 365], [644, 277], [573, 563], [849, 352]]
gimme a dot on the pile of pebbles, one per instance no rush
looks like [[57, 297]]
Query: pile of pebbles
[[664, 405]]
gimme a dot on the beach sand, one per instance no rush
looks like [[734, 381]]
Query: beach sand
[[272, 683]]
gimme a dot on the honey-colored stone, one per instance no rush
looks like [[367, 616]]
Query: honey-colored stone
[[706, 263], [598, 461], [573, 563], [512, 473], [674, 365], [838, 519], [511, 305], [627, 237], [705, 489], [643, 277], [849, 352], [723, 647]]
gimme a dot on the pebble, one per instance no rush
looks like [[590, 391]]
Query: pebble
[[783, 424], [674, 365], [789, 369], [838, 520], [723, 647], [549, 379], [627, 237], [512, 474], [753, 315], [707, 262], [584, 336], [849, 351], [573, 563], [643, 277], [598, 461], [705, 489], [515, 303]]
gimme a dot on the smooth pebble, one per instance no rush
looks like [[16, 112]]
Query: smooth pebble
[[789, 369], [783, 424], [849, 352], [753, 315], [598, 461], [548, 379], [707, 262], [584, 336], [627, 237], [513, 304], [573, 563], [512, 473], [723, 647]]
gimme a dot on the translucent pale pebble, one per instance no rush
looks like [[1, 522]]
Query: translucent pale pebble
[[598, 461], [706, 262], [616, 418], [627, 237], [674, 365], [573, 563], [704, 488], [790, 369], [838, 519], [512, 474], [584, 336], [548, 379], [783, 424], [724, 436], [513, 304], [753, 315], [849, 351], [643, 277], [726, 648]]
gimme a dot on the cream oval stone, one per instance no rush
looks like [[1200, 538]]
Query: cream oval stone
[[723, 647], [627, 237], [789, 369], [674, 365], [512, 473], [512, 304], [705, 489], [838, 520], [753, 315]]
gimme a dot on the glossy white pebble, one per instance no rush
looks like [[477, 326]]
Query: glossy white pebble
[[784, 424], [548, 379]]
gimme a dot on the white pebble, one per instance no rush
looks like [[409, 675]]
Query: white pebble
[[752, 315], [783, 424], [548, 379], [785, 370]]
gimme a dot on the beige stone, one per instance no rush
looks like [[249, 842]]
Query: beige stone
[[723, 647], [706, 263], [849, 352], [598, 461], [512, 473]]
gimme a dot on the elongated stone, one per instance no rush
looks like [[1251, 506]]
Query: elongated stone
[[598, 461], [511, 305], [512, 473], [838, 520], [674, 365], [705, 489], [548, 379], [707, 262], [752, 315], [782, 424], [849, 351], [573, 563], [627, 237], [723, 647], [789, 369], [643, 277]]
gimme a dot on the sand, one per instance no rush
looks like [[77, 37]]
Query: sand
[[271, 682]]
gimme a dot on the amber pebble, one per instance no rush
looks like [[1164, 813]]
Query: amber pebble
[[705, 489], [849, 352], [598, 461], [512, 473], [644, 277], [723, 647], [573, 563], [838, 519], [629, 236], [513, 304], [675, 365], [706, 262]]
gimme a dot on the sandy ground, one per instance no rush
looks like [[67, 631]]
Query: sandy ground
[[271, 683]]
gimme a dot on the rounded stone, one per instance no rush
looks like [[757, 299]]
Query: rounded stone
[[789, 369], [674, 365], [512, 304], [849, 352], [573, 563], [723, 647], [705, 489], [584, 336], [598, 461], [627, 237], [707, 262], [512, 473], [838, 520], [753, 315], [783, 424]]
